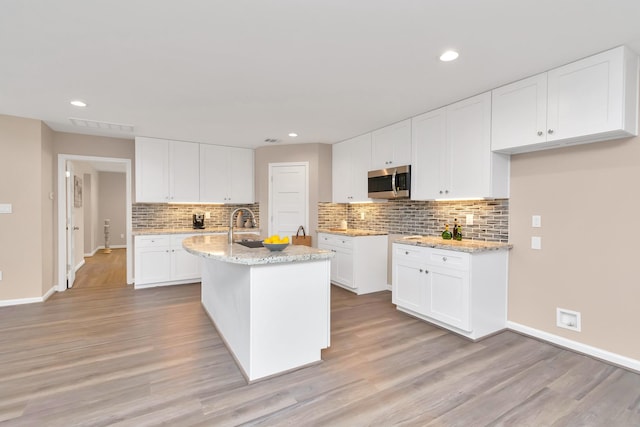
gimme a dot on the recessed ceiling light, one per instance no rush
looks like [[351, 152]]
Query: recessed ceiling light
[[293, 134], [78, 103], [449, 55]]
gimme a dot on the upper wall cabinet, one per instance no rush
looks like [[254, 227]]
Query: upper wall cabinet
[[451, 153], [351, 162], [590, 100], [166, 171], [391, 145], [226, 174]]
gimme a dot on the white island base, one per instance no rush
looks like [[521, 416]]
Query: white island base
[[273, 317]]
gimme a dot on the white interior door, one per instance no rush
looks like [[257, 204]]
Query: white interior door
[[288, 198], [70, 264]]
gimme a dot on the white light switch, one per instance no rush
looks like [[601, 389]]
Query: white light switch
[[6, 208], [0, 275], [469, 219], [536, 242], [536, 221]]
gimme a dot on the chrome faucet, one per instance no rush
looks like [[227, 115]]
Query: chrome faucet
[[253, 221]]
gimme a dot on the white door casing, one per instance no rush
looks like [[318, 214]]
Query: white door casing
[[70, 264], [288, 198], [62, 214]]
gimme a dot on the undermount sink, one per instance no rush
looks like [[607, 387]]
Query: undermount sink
[[250, 243]]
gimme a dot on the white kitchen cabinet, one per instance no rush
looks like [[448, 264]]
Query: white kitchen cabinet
[[451, 153], [593, 99], [463, 292], [161, 260], [226, 174], [391, 145], [166, 171], [351, 162], [360, 263]]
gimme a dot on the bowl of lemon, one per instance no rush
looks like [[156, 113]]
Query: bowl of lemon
[[275, 243]]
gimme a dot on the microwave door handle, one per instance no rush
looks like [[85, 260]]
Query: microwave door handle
[[393, 183]]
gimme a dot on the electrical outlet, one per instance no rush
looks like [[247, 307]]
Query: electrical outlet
[[122, 236], [469, 220], [361, 215], [207, 215], [568, 319], [536, 221]]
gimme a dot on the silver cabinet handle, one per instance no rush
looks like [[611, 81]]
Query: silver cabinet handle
[[426, 272], [76, 228], [540, 133], [440, 191], [550, 131], [444, 258], [406, 252], [421, 270]]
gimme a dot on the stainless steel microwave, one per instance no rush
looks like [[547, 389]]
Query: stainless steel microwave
[[390, 183]]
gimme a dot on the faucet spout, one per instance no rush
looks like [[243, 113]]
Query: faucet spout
[[253, 221]]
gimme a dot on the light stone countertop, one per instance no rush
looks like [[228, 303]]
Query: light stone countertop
[[352, 232], [453, 245], [217, 247], [146, 231]]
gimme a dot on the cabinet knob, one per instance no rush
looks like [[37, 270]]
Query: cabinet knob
[[406, 252], [426, 272], [421, 270], [446, 191], [444, 258], [540, 133], [550, 131], [440, 191]]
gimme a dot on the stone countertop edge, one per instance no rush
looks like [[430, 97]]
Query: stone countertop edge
[[216, 247], [469, 246], [352, 232], [150, 231]]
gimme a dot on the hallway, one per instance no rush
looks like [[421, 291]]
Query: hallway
[[103, 271]]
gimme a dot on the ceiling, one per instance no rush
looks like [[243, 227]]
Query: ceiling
[[237, 72]]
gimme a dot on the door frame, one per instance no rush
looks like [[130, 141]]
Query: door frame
[[62, 216], [306, 196]]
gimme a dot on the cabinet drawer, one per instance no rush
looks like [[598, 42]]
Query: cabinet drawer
[[449, 259], [334, 240], [409, 252], [152, 241]]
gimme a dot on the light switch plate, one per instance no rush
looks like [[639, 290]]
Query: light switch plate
[[536, 221], [6, 208], [207, 215], [536, 242]]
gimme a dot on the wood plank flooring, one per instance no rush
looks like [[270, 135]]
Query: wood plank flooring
[[115, 356], [103, 270]]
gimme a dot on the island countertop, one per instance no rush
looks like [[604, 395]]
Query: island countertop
[[453, 245], [217, 247]]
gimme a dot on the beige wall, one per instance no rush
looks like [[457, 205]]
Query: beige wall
[[587, 196], [22, 244], [112, 205], [319, 158], [48, 226]]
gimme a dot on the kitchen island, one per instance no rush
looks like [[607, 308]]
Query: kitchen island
[[272, 309]]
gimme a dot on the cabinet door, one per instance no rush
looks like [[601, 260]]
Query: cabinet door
[[469, 142], [241, 180], [351, 162], [152, 170], [184, 266], [408, 285], [184, 171], [152, 265], [586, 97], [214, 174], [448, 296], [391, 145], [344, 267], [519, 114], [429, 167]]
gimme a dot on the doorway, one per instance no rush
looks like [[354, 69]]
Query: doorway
[[66, 258], [288, 197]]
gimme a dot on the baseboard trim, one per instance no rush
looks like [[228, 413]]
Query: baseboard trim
[[20, 301], [598, 353], [80, 264], [47, 294]]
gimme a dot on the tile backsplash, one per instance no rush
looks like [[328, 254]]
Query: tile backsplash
[[428, 218], [162, 215]]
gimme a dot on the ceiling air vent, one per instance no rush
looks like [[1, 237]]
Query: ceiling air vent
[[271, 140], [94, 124]]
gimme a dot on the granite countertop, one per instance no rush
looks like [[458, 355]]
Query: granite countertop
[[453, 245], [352, 232], [144, 231], [218, 248]]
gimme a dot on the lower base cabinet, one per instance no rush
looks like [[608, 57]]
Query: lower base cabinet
[[161, 260], [463, 292], [360, 263]]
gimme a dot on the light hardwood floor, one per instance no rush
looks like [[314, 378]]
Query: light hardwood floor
[[115, 356]]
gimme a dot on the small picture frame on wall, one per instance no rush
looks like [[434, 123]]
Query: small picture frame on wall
[[77, 192]]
